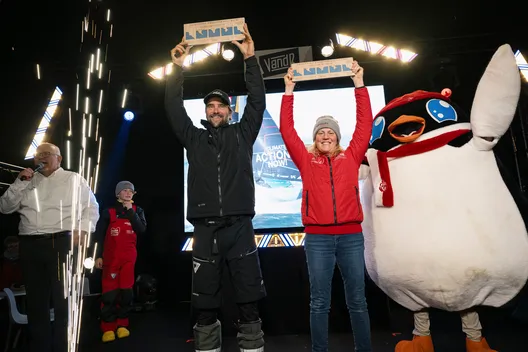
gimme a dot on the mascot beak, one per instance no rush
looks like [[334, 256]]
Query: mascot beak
[[407, 128]]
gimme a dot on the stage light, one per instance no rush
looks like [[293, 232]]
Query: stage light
[[522, 64], [376, 48], [89, 263], [128, 116], [328, 50], [227, 54]]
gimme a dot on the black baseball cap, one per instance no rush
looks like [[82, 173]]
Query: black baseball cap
[[217, 93]]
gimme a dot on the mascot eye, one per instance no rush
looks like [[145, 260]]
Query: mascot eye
[[377, 128], [441, 111]]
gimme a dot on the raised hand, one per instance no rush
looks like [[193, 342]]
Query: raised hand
[[288, 82], [247, 47], [358, 74], [26, 174], [180, 52]]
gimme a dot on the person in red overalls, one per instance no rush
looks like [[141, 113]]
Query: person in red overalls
[[116, 236]]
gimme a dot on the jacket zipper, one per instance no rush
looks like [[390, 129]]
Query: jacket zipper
[[306, 203], [217, 149], [357, 201], [219, 184], [333, 193]]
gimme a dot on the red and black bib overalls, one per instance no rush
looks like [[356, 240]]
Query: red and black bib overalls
[[119, 259]]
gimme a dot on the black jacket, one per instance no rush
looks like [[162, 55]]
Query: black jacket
[[137, 220], [220, 180]]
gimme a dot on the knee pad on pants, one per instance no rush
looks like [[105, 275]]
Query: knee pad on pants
[[207, 317], [250, 337], [248, 312], [208, 337]]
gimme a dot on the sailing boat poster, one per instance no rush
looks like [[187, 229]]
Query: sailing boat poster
[[278, 186]]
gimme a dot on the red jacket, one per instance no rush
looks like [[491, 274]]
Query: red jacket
[[330, 202]]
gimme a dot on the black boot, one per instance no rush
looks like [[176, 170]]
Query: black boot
[[208, 337], [250, 337]]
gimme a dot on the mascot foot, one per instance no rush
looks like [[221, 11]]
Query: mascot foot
[[418, 344], [481, 346]]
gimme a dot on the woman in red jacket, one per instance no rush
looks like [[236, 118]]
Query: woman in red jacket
[[331, 211]]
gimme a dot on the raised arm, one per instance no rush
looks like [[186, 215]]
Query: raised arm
[[181, 122], [293, 142], [253, 115], [360, 139], [256, 101]]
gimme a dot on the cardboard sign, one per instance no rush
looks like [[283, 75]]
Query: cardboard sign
[[211, 32], [306, 71]]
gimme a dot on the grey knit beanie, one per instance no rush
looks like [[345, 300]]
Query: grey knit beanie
[[327, 122], [123, 185]]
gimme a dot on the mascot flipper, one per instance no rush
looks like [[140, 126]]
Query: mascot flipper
[[441, 228]]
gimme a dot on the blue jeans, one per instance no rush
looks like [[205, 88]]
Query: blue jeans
[[322, 253]]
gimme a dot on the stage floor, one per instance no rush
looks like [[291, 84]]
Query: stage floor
[[162, 331], [166, 329], [381, 342]]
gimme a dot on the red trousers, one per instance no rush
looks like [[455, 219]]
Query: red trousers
[[118, 281]]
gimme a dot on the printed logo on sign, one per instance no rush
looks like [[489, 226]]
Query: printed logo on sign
[[305, 71], [211, 32], [278, 62], [114, 231], [274, 156]]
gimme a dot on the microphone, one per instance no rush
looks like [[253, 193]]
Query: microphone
[[36, 169]]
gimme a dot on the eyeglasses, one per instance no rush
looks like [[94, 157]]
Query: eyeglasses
[[43, 155]]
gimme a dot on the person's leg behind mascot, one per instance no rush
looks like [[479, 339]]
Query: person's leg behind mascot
[[422, 341]]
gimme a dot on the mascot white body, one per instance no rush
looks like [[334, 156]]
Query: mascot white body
[[441, 227]]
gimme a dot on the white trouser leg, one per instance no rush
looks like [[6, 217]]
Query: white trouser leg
[[422, 323], [471, 325]]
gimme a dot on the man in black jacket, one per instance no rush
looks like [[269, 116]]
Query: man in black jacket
[[221, 200]]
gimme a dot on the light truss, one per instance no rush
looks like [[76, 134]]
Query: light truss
[[44, 123], [265, 240], [391, 52], [161, 72], [522, 64]]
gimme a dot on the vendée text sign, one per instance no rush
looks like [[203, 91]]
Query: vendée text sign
[[203, 33], [306, 71]]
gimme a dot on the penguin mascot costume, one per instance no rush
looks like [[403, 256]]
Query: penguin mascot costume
[[442, 230]]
